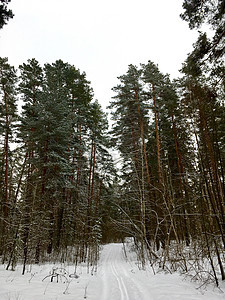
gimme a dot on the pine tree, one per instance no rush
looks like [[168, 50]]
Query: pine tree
[[5, 13], [31, 79], [8, 118]]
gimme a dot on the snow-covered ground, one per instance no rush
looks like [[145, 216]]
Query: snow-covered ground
[[115, 279]]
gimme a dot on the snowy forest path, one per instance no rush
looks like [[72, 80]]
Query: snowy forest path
[[117, 276]]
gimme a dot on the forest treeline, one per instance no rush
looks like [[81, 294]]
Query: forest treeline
[[61, 193], [55, 161], [171, 137]]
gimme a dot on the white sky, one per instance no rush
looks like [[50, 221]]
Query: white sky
[[100, 37]]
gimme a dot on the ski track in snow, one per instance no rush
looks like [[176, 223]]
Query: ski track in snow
[[119, 279], [110, 278], [116, 279]]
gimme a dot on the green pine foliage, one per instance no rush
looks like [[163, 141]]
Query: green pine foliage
[[5, 13]]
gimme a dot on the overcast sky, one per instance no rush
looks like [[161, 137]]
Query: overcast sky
[[100, 37]]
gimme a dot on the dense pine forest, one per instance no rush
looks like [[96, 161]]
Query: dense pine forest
[[62, 192]]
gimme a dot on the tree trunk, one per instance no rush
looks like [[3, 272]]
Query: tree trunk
[[157, 137], [182, 181], [6, 151]]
